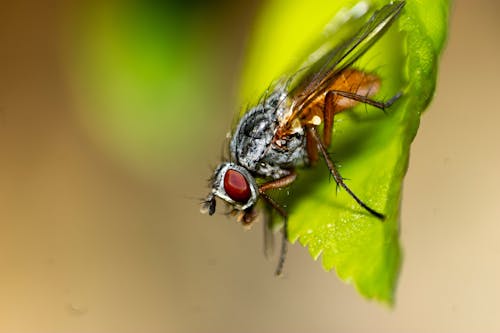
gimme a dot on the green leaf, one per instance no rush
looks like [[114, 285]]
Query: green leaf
[[371, 148]]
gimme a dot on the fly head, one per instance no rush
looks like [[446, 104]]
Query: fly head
[[236, 186]]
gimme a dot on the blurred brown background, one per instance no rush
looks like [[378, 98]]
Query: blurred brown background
[[109, 124]]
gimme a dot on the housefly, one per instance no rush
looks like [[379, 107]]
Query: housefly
[[280, 133]]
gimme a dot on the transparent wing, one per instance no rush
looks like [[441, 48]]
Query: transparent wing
[[316, 78]]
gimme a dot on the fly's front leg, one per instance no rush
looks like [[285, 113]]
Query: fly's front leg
[[278, 183], [275, 184], [268, 246]]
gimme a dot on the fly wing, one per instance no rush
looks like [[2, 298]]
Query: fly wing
[[316, 79]]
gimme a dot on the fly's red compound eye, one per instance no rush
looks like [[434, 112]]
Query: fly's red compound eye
[[236, 186]]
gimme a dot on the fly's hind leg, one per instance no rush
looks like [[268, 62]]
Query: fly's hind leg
[[331, 108], [367, 100]]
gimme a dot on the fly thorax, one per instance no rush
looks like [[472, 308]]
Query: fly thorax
[[253, 136], [257, 145]]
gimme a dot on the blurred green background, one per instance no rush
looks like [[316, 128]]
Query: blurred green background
[[111, 116]]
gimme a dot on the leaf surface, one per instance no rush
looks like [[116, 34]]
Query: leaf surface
[[371, 148]]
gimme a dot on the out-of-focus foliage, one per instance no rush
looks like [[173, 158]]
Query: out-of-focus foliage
[[145, 74]]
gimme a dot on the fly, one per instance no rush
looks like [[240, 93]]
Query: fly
[[280, 133]]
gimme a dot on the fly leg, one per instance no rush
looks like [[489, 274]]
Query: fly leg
[[366, 100], [329, 109], [315, 143], [268, 246], [328, 114], [274, 184], [336, 175], [332, 106]]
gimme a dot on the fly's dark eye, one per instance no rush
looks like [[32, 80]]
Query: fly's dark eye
[[236, 186]]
